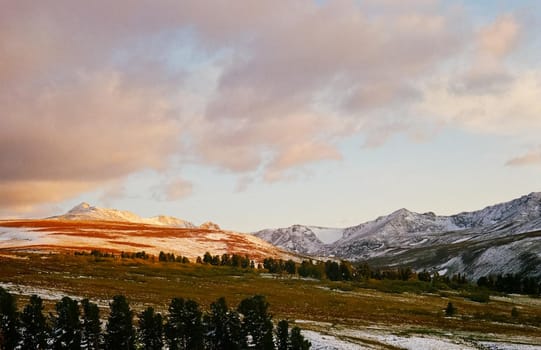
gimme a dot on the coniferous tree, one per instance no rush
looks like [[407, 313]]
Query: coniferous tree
[[184, 327], [120, 333], [332, 270], [346, 271], [450, 310], [290, 267], [223, 327], [282, 335], [66, 332], [91, 338], [9, 335], [33, 325], [257, 322], [207, 258], [151, 330], [297, 340]]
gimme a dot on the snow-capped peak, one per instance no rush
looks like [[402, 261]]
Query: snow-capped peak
[[85, 212], [404, 229], [82, 207]]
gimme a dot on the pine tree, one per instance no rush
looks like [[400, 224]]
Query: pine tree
[[66, 331], [9, 335], [290, 267], [450, 309], [257, 322], [151, 330], [282, 335], [120, 333], [332, 270], [33, 325], [91, 326], [223, 327], [297, 340], [184, 328]]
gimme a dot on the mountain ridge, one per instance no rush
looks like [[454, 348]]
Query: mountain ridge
[[391, 239]]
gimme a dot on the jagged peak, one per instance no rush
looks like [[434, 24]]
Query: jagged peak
[[535, 195]]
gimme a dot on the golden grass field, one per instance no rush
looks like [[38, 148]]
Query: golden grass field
[[355, 305]]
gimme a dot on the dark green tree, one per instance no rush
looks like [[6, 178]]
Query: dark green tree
[[290, 267], [120, 333], [332, 270], [346, 271], [9, 335], [33, 325], [257, 322], [151, 330], [66, 330], [184, 327], [282, 335], [297, 340], [225, 260], [207, 258], [223, 327], [450, 310], [91, 337]]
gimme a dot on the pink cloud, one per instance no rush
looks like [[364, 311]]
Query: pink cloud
[[531, 158], [178, 189], [92, 92], [499, 37]]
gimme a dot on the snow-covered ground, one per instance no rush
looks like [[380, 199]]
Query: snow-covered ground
[[334, 337], [73, 235]]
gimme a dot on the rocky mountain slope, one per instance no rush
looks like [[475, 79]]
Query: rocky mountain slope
[[497, 239]]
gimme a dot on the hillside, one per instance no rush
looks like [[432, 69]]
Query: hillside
[[59, 235], [502, 238]]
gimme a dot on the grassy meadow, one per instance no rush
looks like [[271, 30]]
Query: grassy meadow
[[412, 307]]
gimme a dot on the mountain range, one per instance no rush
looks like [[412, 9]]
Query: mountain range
[[503, 238]]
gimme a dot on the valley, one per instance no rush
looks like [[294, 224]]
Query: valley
[[98, 253], [355, 315]]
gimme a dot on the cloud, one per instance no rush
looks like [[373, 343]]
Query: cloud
[[22, 196], [309, 74], [93, 92], [531, 158], [500, 37], [488, 73], [178, 189], [172, 190], [514, 114]]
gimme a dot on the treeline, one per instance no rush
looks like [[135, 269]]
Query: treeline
[[234, 260], [511, 283], [345, 271], [77, 326]]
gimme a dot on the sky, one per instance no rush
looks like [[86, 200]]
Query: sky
[[259, 114]]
